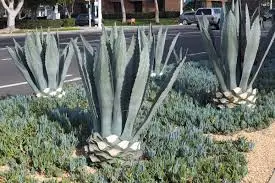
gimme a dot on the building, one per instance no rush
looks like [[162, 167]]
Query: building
[[131, 6]]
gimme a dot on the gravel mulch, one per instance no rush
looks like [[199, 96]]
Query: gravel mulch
[[261, 160]]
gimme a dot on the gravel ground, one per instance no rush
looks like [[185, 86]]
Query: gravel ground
[[261, 160]]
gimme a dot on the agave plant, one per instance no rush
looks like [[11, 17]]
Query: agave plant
[[240, 39], [115, 79], [41, 64], [157, 44]]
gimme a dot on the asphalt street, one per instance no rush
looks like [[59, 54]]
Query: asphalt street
[[12, 82]]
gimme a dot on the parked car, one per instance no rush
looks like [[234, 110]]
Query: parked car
[[187, 18], [83, 19], [213, 15]]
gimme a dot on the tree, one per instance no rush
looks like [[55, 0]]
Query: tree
[[12, 8], [123, 11], [68, 5], [156, 11]]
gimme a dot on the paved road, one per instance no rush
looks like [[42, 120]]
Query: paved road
[[12, 83]]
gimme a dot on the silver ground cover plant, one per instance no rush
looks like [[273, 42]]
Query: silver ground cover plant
[[115, 78], [41, 64], [234, 65]]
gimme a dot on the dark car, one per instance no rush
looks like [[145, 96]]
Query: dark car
[[187, 18], [83, 19]]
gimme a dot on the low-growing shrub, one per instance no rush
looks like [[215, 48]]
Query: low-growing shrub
[[176, 154], [184, 110], [68, 22], [198, 81], [33, 24]]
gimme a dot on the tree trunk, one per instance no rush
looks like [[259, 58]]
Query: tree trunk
[[12, 12], [11, 21], [156, 11], [123, 11]]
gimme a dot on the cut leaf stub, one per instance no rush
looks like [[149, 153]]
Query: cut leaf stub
[[231, 99]]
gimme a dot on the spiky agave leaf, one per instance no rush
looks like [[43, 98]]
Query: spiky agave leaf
[[18, 56], [253, 41], [64, 63], [34, 62], [88, 80], [51, 61], [106, 95], [213, 56], [138, 91], [229, 48], [160, 97], [120, 67]]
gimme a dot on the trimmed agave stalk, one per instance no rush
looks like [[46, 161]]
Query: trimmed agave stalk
[[115, 79], [157, 44], [41, 64], [240, 39]]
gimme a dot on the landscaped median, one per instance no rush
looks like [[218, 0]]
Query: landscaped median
[[39, 136], [138, 117]]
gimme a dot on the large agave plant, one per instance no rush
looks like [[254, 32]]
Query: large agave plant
[[240, 39], [115, 79], [157, 44], [41, 64]]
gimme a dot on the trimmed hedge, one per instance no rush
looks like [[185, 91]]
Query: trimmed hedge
[[33, 24], [68, 22]]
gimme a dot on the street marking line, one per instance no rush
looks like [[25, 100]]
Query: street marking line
[[6, 59], [71, 80], [24, 83], [200, 53]]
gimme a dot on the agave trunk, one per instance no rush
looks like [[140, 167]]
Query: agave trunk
[[110, 148], [231, 99]]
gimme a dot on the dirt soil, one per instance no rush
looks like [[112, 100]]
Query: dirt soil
[[261, 160]]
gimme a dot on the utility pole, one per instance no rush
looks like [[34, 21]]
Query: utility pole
[[99, 13], [90, 15], [181, 7]]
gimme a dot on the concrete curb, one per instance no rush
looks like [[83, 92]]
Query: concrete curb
[[91, 30], [61, 32], [272, 179]]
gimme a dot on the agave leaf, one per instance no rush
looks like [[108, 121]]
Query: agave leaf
[[17, 56], [65, 62], [160, 43], [162, 46], [253, 41], [104, 89], [131, 48], [138, 92], [237, 16], [223, 14], [120, 67], [52, 61], [247, 21], [87, 85], [229, 47], [35, 63], [211, 50], [172, 46], [266, 47], [159, 99]]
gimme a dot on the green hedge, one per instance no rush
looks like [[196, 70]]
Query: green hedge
[[69, 22], [32, 24]]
